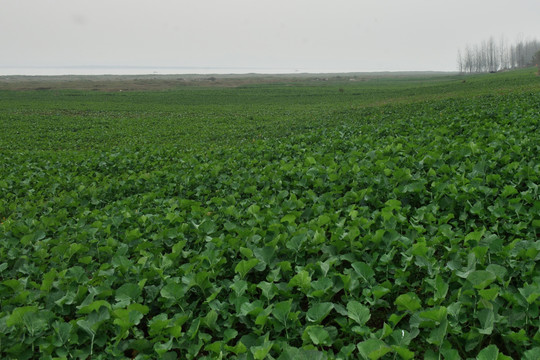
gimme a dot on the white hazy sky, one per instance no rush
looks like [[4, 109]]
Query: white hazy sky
[[334, 35]]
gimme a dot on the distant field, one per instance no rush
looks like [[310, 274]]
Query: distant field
[[346, 216]]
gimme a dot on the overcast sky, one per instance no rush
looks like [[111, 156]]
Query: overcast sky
[[333, 35]]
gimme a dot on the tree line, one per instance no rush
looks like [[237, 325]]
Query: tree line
[[495, 55]]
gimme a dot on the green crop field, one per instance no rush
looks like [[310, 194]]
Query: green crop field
[[385, 217]]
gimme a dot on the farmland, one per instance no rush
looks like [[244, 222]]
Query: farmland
[[350, 218]]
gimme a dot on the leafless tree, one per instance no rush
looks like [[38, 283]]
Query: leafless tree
[[490, 56]]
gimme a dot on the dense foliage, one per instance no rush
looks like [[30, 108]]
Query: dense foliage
[[281, 229]]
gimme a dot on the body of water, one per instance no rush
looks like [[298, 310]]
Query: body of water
[[127, 70]]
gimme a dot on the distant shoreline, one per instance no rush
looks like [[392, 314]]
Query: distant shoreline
[[144, 82], [136, 70]]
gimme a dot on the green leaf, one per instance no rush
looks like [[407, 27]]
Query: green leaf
[[323, 220], [48, 280], [301, 280], [403, 352], [158, 323], [373, 349], [290, 218], [63, 331], [161, 348], [409, 301], [128, 291], [318, 312], [244, 266], [262, 317], [437, 314], [489, 353], [489, 294], [530, 292], [450, 354], [210, 319], [94, 306], [438, 334], [281, 311], [318, 335], [481, 278], [34, 322], [239, 287], [358, 312], [260, 352], [208, 227], [532, 354], [229, 334], [16, 317], [364, 270], [239, 348], [508, 190], [498, 270], [487, 319], [173, 291], [441, 287]]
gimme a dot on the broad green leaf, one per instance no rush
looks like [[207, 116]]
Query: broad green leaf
[[260, 352], [173, 291], [532, 354], [318, 312], [265, 254], [409, 301], [268, 289], [379, 291], [161, 348], [488, 353], [438, 334], [290, 218], [129, 291], [301, 280], [403, 352], [262, 317], [318, 335], [498, 270], [94, 306], [210, 319], [244, 266], [489, 294], [373, 349], [16, 317], [239, 348], [214, 347], [364, 270], [34, 322], [480, 279], [441, 287], [450, 354], [508, 190], [358, 312], [229, 334], [487, 319], [63, 331], [281, 311], [48, 280], [158, 323], [438, 314], [239, 287], [530, 292]]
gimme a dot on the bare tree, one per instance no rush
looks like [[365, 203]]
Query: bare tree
[[490, 56], [460, 62], [503, 54]]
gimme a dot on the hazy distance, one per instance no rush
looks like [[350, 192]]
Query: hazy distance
[[292, 35]]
